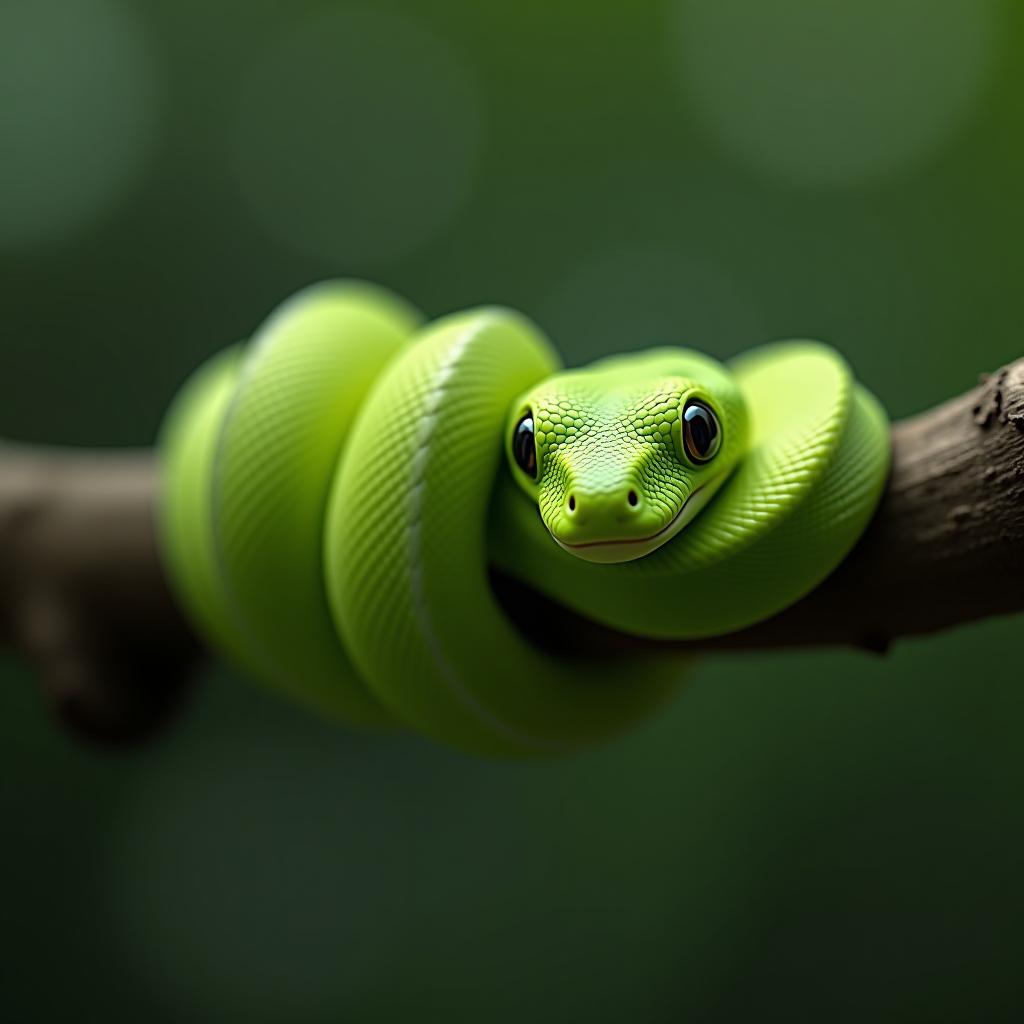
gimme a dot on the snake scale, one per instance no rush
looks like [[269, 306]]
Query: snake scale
[[335, 489]]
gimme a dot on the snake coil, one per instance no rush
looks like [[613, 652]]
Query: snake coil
[[335, 490]]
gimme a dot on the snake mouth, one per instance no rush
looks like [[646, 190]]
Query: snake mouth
[[628, 548]]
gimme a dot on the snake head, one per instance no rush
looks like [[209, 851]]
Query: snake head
[[622, 454]]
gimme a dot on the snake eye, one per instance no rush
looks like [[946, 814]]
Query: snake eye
[[701, 434], [524, 451]]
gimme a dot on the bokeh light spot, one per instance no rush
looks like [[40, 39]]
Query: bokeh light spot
[[832, 93], [77, 114], [356, 138]]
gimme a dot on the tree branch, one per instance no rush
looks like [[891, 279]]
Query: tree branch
[[82, 592], [83, 596]]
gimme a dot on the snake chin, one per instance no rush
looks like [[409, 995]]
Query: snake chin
[[619, 550]]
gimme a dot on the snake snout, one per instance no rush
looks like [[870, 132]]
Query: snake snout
[[605, 514], [619, 506]]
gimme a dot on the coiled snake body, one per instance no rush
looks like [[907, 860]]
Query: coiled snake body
[[334, 491]]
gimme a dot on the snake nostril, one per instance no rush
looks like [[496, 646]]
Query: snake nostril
[[572, 502], [633, 499]]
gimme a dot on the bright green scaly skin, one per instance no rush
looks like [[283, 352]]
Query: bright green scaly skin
[[335, 494], [613, 481]]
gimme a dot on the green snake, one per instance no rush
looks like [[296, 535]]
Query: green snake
[[336, 490]]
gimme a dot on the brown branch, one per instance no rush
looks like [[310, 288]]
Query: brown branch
[[82, 593], [83, 596]]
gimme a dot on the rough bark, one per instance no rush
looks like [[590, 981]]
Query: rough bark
[[84, 599]]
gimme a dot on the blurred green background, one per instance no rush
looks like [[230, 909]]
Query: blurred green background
[[825, 836]]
